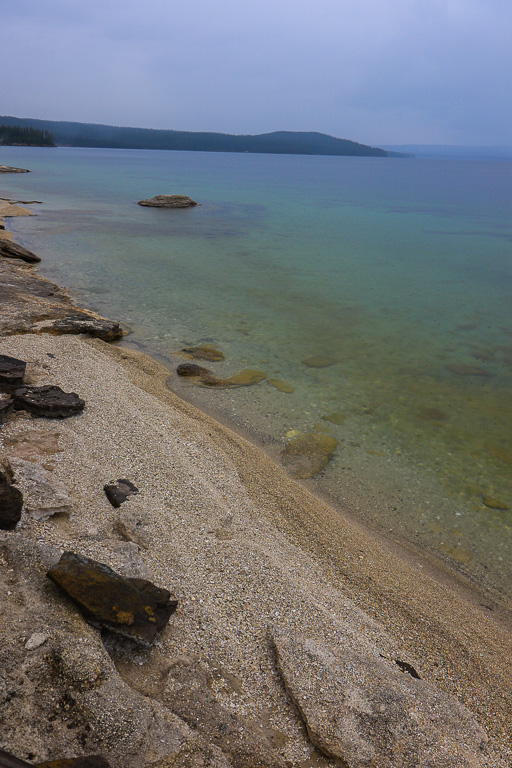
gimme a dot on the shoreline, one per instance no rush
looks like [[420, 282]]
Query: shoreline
[[333, 562]]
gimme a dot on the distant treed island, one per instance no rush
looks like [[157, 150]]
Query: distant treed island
[[108, 136], [25, 136]]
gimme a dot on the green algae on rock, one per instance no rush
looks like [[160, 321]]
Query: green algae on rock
[[306, 455], [319, 361], [203, 377], [282, 386], [204, 352]]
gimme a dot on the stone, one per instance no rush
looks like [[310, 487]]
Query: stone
[[459, 369], [48, 401], [7, 760], [6, 473], [135, 608], [363, 711], [81, 322], [335, 418], [243, 379], [203, 377], [6, 408], [282, 386], [204, 352], [35, 641], [319, 361], [10, 169], [306, 455], [168, 201], [493, 503], [11, 250], [458, 554], [435, 415], [119, 492], [33, 444], [11, 504], [43, 495], [93, 761], [12, 373]]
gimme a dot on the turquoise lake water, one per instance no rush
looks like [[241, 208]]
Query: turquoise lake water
[[399, 270]]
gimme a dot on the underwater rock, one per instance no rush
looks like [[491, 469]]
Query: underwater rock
[[459, 369], [306, 455], [168, 201], [493, 503], [93, 761], [12, 373], [431, 414], [48, 401], [203, 377], [363, 711], [134, 608], [458, 554], [118, 492], [282, 386], [11, 250], [335, 418], [204, 352], [319, 361]]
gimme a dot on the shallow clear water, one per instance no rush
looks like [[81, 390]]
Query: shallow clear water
[[399, 270]]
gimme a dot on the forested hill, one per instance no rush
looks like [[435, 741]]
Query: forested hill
[[279, 142], [17, 135]]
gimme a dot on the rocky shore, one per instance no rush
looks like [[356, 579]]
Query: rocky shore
[[281, 632]]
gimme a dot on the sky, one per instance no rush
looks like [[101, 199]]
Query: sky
[[374, 71]]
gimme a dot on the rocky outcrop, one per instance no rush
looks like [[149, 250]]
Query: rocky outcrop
[[364, 711], [168, 201], [11, 250], [11, 169], [48, 401], [306, 455], [134, 608], [81, 322], [12, 373]]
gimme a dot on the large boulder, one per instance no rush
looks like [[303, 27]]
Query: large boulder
[[168, 201], [48, 401], [14, 251]]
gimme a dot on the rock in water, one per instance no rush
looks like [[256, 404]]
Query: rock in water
[[168, 201], [12, 373], [365, 712], [134, 608], [14, 251], [306, 455], [49, 401], [6, 408], [319, 361], [118, 492], [11, 504], [205, 378], [204, 352]]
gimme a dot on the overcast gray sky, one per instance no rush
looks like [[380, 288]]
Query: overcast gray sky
[[375, 71]]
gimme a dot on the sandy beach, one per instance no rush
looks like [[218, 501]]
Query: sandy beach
[[250, 554]]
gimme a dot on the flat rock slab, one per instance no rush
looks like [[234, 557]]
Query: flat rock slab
[[81, 322], [119, 492], [366, 713], [11, 250], [48, 401], [306, 455], [12, 373], [134, 608], [203, 377], [168, 201], [6, 408], [11, 504], [10, 169], [43, 495], [94, 761]]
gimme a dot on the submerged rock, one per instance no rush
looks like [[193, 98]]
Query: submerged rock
[[282, 386], [81, 322], [11, 250], [203, 377], [118, 492], [319, 361], [204, 352], [366, 712], [168, 201], [134, 608], [48, 401], [493, 503], [459, 369], [12, 373], [10, 169], [306, 455]]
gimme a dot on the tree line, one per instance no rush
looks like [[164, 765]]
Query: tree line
[[16, 135]]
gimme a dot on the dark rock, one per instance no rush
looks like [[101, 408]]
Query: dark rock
[[9, 761], [12, 373], [204, 352], [49, 401], [94, 761], [10, 169], [363, 711], [134, 608], [168, 201], [14, 251], [81, 322], [11, 503], [193, 370], [6, 408], [120, 491]]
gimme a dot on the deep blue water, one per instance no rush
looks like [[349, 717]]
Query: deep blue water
[[397, 269]]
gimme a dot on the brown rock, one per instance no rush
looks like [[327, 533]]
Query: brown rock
[[12, 373], [493, 503], [11, 250], [134, 608], [282, 386], [168, 201], [319, 361], [366, 712], [11, 504], [48, 401], [6, 473], [306, 455], [203, 377], [204, 352]]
